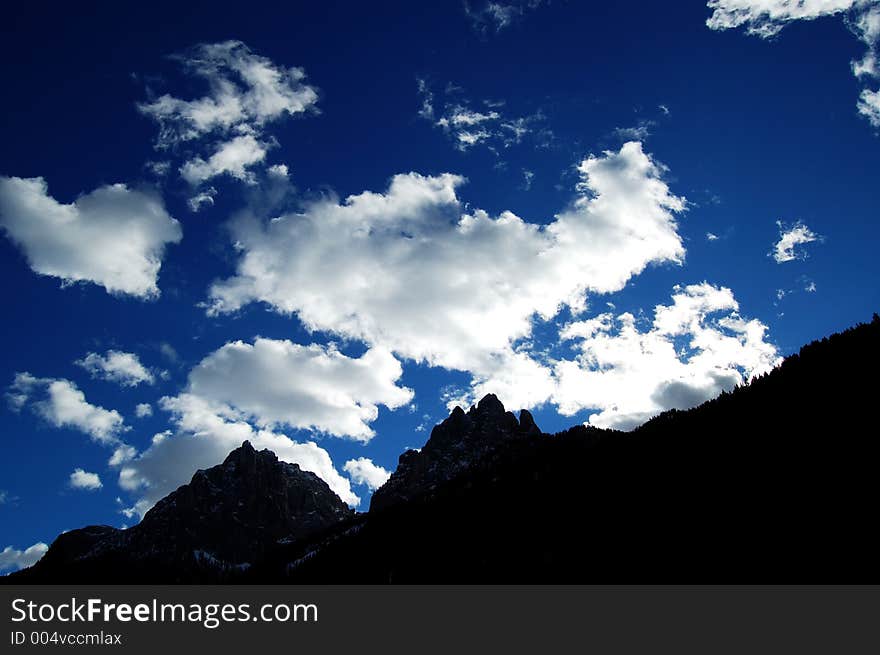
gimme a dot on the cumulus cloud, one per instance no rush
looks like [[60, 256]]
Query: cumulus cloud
[[279, 171], [63, 405], [122, 454], [274, 383], [517, 378], [13, 559], [80, 479], [486, 125], [143, 410], [784, 250], [696, 347], [117, 366], [246, 92], [363, 471], [766, 18], [114, 237], [411, 272]]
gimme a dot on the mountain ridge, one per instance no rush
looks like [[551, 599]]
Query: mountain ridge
[[768, 483], [211, 528]]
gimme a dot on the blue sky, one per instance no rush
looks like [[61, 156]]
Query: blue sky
[[560, 167]]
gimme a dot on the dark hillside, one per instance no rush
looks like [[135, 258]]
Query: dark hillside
[[775, 482]]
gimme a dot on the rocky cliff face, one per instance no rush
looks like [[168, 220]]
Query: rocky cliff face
[[222, 521], [455, 445]]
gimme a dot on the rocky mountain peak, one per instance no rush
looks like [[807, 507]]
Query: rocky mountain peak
[[244, 453], [251, 498], [457, 443], [245, 461], [490, 404], [224, 519]]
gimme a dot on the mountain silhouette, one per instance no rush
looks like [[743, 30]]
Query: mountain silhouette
[[211, 529], [454, 446], [773, 482]]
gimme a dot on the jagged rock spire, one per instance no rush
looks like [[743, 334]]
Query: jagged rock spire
[[454, 445]]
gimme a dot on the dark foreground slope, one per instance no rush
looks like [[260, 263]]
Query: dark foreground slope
[[776, 482], [209, 530]]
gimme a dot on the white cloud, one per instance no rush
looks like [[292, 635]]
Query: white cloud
[[279, 171], [765, 18], [113, 236], [80, 479], [468, 127], [62, 404], [363, 471], [13, 559], [789, 239], [711, 237], [143, 410], [517, 378], [233, 157], [117, 366], [688, 355], [122, 454], [245, 91], [273, 383], [410, 272], [869, 106], [867, 26]]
